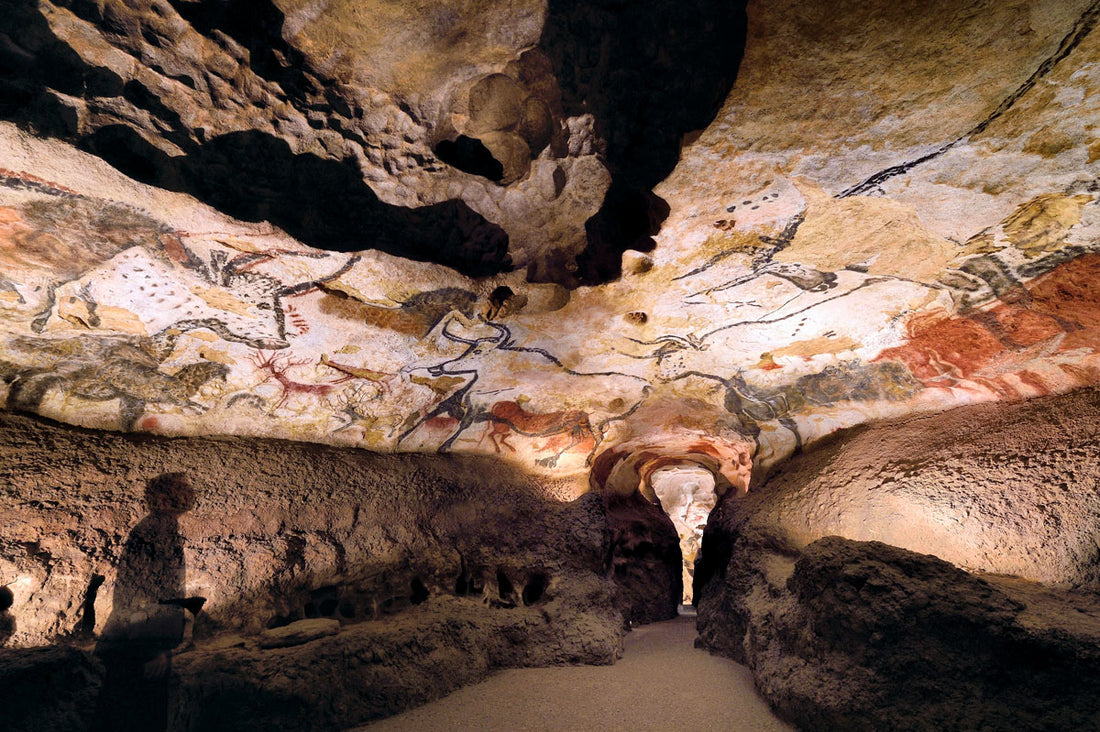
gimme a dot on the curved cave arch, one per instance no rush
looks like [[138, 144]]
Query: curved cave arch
[[687, 492], [658, 498]]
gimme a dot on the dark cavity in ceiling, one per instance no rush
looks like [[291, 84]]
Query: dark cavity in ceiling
[[649, 72]]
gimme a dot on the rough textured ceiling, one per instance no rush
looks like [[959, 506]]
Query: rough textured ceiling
[[878, 221]]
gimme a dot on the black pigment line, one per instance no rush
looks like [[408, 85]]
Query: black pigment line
[[778, 243], [765, 321], [1080, 30], [892, 172]]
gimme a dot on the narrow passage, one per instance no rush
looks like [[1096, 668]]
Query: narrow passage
[[661, 683]]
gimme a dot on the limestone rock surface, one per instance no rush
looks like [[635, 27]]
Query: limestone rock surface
[[223, 99], [864, 636], [383, 552], [1009, 489], [870, 227], [842, 630], [400, 227], [299, 632], [480, 114]]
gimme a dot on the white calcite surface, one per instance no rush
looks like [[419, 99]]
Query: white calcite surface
[[687, 494]]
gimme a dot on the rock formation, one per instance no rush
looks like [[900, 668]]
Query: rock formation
[[429, 572], [863, 632], [528, 289]]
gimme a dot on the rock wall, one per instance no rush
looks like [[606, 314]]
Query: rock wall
[[842, 630], [864, 636], [645, 560], [1009, 489], [433, 571]]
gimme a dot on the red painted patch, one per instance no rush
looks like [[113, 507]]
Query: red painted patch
[[942, 345], [1066, 301], [1070, 294], [441, 422]]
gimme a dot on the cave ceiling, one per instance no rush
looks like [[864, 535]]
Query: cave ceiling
[[593, 239]]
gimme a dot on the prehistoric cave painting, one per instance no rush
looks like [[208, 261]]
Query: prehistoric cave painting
[[804, 278], [986, 277], [1031, 241], [995, 267], [100, 369], [349, 408], [45, 242], [1036, 344], [459, 410], [563, 431], [1081, 29], [689, 359], [761, 247], [754, 204], [141, 291], [1041, 225], [415, 316], [380, 379], [754, 406], [274, 366], [119, 264], [249, 331]]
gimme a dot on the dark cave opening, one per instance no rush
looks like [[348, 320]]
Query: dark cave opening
[[504, 585], [470, 155], [420, 591], [87, 618], [535, 588], [251, 175], [650, 72], [7, 620]]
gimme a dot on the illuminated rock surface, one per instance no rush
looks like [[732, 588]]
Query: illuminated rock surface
[[687, 495], [534, 235], [844, 633], [785, 299]]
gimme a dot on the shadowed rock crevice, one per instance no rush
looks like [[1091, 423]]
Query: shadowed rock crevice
[[252, 175], [644, 560], [470, 155], [324, 203], [650, 73]]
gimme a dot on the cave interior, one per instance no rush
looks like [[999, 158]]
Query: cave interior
[[354, 352]]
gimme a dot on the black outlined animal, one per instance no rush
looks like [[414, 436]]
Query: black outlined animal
[[100, 369]]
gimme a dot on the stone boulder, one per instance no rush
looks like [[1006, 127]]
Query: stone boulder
[[865, 636], [803, 580]]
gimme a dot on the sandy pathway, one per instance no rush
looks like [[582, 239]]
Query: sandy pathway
[[661, 683]]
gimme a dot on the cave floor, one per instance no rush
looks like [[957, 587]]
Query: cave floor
[[661, 683]]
